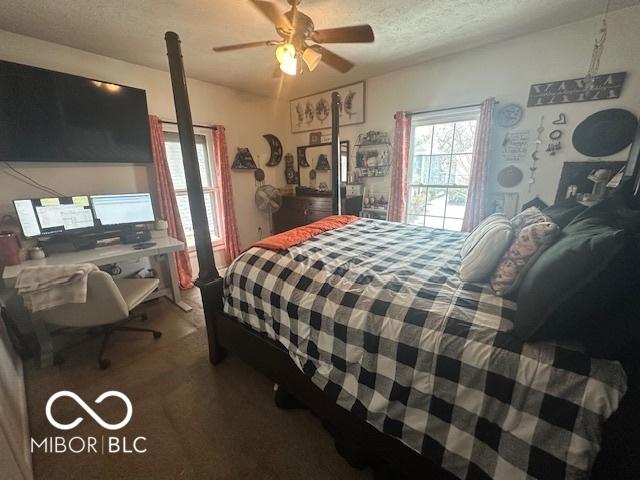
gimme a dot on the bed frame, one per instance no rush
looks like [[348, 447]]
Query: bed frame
[[359, 442]]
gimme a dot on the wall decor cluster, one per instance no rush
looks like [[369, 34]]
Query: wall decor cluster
[[602, 87], [243, 160], [605, 132], [515, 145], [313, 112], [275, 145], [509, 115]]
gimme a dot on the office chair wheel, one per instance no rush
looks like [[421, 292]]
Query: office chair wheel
[[104, 363], [58, 359], [157, 334]]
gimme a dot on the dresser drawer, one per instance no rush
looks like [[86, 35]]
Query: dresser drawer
[[315, 215], [320, 203]]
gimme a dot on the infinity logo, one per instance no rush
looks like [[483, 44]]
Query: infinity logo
[[89, 410]]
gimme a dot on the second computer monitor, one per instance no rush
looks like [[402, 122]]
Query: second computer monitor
[[122, 209]]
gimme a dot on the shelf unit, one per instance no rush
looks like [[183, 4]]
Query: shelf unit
[[372, 155]]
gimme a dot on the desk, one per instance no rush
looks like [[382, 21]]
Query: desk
[[165, 247]]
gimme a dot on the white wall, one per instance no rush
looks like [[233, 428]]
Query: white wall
[[246, 118], [506, 70], [15, 457]]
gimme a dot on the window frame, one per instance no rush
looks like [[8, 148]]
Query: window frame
[[435, 118], [214, 190]]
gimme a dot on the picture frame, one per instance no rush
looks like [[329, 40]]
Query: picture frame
[[313, 112]]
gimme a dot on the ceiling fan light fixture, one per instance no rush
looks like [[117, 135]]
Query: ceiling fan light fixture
[[311, 58], [287, 58]]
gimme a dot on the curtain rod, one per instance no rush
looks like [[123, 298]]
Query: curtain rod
[[449, 108], [212, 127]]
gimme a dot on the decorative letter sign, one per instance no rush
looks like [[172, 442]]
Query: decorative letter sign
[[605, 87]]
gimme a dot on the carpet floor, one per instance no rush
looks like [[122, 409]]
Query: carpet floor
[[199, 421]]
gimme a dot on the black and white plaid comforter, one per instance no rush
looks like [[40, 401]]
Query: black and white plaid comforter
[[376, 315]]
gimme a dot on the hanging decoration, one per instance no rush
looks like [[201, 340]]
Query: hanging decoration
[[259, 175], [323, 163], [598, 48], [243, 160], [561, 120], [289, 172], [276, 149], [302, 157], [535, 156], [554, 145]]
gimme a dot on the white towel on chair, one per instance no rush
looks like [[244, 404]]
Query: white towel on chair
[[46, 287]]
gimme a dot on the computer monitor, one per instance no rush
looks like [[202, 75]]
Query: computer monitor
[[122, 209], [53, 215]]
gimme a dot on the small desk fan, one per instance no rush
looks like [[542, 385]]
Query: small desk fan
[[268, 199]]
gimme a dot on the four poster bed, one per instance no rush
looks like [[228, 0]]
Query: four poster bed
[[413, 371]]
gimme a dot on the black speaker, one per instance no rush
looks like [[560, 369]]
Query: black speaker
[[137, 236]]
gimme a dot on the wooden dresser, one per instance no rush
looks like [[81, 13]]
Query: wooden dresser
[[298, 210]]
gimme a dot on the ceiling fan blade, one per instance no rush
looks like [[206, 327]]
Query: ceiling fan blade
[[332, 59], [239, 46], [273, 13], [354, 34]]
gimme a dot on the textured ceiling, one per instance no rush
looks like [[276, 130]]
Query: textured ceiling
[[407, 32]]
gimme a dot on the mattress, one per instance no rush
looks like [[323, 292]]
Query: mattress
[[375, 314]]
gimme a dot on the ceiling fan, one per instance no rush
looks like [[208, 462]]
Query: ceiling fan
[[296, 30]]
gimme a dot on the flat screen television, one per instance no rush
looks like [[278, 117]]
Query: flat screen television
[[48, 116]]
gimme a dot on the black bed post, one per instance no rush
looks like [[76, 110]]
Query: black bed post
[[209, 281], [335, 152], [633, 164]]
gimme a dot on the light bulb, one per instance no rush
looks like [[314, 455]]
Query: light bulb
[[290, 67], [286, 55]]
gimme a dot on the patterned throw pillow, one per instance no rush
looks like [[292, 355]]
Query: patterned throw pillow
[[528, 217], [528, 245]]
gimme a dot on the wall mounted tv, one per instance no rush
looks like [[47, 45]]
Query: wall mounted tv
[[48, 116]]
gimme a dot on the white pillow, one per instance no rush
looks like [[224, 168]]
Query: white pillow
[[479, 232], [482, 253]]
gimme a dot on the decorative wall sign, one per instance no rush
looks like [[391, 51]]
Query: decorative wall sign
[[509, 115], [244, 160], [276, 150], [314, 111], [510, 177], [605, 132], [289, 172], [315, 138], [515, 145], [604, 87]]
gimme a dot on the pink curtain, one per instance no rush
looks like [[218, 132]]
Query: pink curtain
[[398, 189], [475, 211], [166, 197], [229, 224]]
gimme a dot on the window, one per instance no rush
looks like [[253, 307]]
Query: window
[[204, 149], [440, 168]]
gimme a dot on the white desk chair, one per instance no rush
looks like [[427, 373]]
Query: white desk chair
[[109, 302]]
